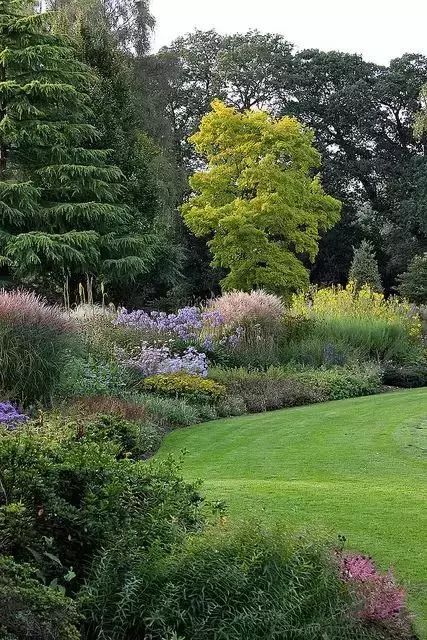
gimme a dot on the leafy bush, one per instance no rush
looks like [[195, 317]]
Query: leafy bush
[[266, 390], [34, 339], [89, 375], [242, 585], [408, 376], [339, 383], [169, 413], [231, 406], [63, 500], [185, 385], [30, 609], [134, 439]]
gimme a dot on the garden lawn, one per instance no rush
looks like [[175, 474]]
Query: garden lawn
[[356, 467]]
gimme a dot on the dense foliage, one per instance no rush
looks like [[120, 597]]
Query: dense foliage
[[110, 160], [244, 584], [59, 194], [34, 340], [258, 199]]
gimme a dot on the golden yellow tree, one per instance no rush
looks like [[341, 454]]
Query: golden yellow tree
[[258, 200]]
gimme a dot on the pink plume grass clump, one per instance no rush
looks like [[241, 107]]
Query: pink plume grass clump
[[381, 599], [27, 308], [238, 308], [35, 339]]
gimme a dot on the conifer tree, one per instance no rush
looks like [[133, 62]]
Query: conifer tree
[[413, 283], [58, 192], [364, 267]]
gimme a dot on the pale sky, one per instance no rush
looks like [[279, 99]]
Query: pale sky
[[378, 29]]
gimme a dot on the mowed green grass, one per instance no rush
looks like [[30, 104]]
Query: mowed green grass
[[355, 467]]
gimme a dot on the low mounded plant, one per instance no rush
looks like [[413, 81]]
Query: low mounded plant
[[10, 416], [407, 376], [34, 341], [338, 383], [30, 609], [62, 500], [266, 390], [186, 386]]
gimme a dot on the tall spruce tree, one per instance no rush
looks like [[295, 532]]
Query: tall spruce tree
[[364, 267], [59, 215]]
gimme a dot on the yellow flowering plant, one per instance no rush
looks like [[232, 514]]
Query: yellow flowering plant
[[185, 385]]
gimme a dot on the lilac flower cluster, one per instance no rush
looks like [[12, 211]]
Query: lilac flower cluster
[[10, 416], [152, 360], [186, 324], [228, 340]]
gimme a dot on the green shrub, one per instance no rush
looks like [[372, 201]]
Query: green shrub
[[231, 406], [31, 610], [353, 324], [339, 383], [407, 376], [63, 500], [242, 585], [34, 341], [134, 439], [266, 390], [184, 385], [169, 413], [90, 376]]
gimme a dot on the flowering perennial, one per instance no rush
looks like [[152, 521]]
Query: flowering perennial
[[380, 596], [186, 324], [10, 416], [151, 360]]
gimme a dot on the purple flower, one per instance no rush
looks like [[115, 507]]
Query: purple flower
[[10, 416], [152, 360], [186, 323]]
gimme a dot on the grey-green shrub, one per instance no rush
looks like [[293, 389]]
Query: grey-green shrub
[[30, 609]]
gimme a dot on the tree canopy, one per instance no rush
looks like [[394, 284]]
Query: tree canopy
[[258, 199]]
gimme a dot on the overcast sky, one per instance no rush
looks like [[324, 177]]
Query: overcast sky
[[378, 29]]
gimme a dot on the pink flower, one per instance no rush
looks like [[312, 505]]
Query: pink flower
[[379, 596]]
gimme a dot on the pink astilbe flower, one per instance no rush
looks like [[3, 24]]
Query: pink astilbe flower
[[380, 598]]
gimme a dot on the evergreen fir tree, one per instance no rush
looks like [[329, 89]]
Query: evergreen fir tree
[[364, 267], [58, 193], [413, 283]]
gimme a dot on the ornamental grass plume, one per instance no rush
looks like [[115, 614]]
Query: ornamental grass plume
[[34, 341], [238, 308], [19, 308]]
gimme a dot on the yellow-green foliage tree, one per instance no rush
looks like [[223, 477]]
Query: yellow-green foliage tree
[[258, 200]]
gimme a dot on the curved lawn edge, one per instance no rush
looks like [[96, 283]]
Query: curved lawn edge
[[342, 465]]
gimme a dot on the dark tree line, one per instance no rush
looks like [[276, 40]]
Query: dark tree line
[[362, 114], [145, 107]]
